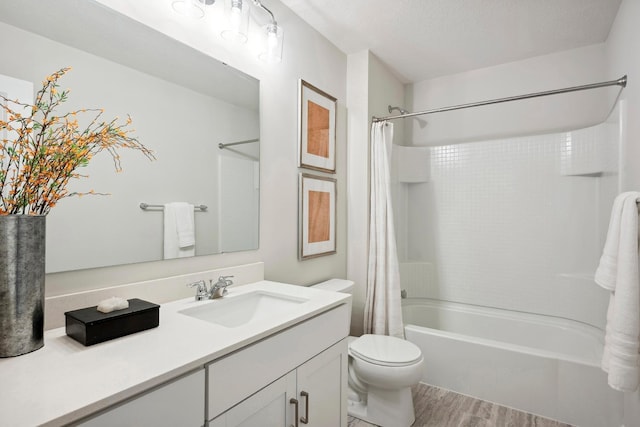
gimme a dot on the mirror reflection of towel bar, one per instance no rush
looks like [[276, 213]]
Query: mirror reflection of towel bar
[[145, 206]]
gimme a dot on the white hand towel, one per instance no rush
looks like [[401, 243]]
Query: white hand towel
[[179, 230], [185, 225], [618, 273], [608, 268]]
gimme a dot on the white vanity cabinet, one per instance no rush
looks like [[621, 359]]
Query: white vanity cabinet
[[315, 392], [178, 403], [307, 362]]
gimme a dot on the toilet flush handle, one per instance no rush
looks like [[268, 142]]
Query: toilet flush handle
[[305, 419]]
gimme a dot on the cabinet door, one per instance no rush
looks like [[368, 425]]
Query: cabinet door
[[178, 403], [270, 407], [322, 388]]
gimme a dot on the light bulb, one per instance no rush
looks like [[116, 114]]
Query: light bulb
[[273, 44], [237, 21], [235, 18], [272, 41]]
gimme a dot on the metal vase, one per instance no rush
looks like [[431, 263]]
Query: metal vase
[[22, 260]]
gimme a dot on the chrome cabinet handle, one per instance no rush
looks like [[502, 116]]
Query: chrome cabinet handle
[[305, 419], [295, 417]]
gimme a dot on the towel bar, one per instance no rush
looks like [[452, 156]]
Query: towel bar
[[145, 206]]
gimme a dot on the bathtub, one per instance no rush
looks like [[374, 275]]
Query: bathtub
[[539, 364]]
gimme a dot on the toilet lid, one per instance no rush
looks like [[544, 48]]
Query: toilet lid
[[385, 350]]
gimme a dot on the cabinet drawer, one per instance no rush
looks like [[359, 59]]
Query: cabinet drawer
[[241, 373], [269, 407], [178, 403]]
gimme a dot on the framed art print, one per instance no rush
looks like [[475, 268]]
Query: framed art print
[[317, 216], [317, 129]]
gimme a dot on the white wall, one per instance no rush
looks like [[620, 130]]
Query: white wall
[[622, 49], [535, 116], [358, 193], [307, 55], [622, 57]]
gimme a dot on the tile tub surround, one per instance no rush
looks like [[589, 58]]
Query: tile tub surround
[[502, 223], [94, 378]]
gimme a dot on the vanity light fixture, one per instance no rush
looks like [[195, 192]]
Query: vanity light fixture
[[237, 24]]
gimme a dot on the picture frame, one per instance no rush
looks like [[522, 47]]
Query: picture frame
[[316, 128], [317, 216]]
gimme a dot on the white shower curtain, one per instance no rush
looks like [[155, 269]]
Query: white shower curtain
[[382, 311]]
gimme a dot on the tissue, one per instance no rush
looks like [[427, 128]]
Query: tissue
[[112, 304]]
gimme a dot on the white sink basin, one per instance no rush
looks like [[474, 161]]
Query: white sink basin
[[240, 310]]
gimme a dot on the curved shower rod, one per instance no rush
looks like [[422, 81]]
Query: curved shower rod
[[622, 81]]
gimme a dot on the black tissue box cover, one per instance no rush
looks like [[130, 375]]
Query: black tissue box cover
[[88, 326]]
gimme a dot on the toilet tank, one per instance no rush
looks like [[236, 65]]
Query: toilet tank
[[336, 285]]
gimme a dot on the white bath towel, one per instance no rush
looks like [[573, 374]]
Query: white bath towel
[[179, 230], [618, 273]]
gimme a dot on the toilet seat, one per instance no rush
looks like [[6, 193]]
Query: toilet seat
[[385, 350]]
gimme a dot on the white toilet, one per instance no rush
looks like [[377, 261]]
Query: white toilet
[[382, 370]]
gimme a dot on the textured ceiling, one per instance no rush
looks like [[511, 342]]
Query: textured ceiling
[[422, 39]]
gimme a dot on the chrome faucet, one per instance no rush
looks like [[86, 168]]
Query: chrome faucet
[[219, 289], [216, 290], [201, 290]]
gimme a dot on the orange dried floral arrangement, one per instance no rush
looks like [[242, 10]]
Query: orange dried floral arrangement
[[42, 151]]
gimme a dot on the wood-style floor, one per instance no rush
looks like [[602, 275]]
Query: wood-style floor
[[436, 407]]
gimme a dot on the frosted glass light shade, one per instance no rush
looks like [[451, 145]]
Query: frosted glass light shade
[[189, 8], [273, 42], [237, 20]]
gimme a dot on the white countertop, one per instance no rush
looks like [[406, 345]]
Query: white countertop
[[65, 381]]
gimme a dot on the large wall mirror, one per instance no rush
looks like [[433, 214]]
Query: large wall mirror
[[183, 105]]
